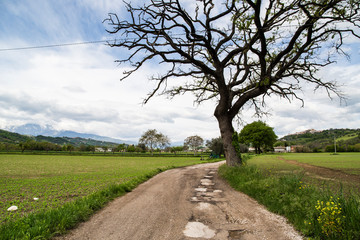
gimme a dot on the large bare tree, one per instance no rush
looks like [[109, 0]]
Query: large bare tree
[[235, 51]]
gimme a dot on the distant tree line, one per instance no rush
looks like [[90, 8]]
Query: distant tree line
[[257, 135], [151, 141]]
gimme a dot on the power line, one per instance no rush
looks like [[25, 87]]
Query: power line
[[83, 43], [54, 45]]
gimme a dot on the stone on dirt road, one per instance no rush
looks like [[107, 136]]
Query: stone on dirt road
[[198, 230]]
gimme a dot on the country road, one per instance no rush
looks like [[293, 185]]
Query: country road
[[184, 203]]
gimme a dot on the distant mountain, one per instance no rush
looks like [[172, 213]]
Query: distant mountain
[[47, 130], [34, 130]]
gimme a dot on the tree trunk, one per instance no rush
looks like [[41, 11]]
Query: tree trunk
[[227, 131]]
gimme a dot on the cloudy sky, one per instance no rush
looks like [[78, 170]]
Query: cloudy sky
[[77, 87]]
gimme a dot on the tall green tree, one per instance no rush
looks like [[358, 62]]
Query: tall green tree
[[236, 52], [259, 135]]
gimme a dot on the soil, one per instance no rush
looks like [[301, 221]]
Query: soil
[[185, 203], [328, 174]]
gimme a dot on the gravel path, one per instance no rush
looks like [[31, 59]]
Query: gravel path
[[184, 203]]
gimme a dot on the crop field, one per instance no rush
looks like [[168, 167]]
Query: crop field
[[35, 183]]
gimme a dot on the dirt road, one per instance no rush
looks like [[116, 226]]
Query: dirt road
[[184, 203]]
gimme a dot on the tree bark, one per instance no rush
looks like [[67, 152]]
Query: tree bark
[[227, 131]]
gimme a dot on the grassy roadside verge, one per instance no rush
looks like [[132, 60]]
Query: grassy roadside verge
[[317, 214]]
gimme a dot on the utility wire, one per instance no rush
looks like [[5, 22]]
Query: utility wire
[[54, 45], [79, 43]]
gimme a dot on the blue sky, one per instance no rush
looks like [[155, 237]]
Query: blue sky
[[77, 87]]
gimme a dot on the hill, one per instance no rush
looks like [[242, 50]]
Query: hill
[[47, 130], [10, 137], [15, 138], [319, 140]]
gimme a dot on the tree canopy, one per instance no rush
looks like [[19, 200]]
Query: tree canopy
[[259, 135], [216, 145], [152, 139], [236, 52], [194, 142]]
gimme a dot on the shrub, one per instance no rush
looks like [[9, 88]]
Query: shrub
[[302, 149]]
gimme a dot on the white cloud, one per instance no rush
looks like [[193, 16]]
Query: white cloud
[[77, 87]]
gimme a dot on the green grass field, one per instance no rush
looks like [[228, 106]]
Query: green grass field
[[346, 137], [319, 209], [56, 180], [272, 163], [347, 162]]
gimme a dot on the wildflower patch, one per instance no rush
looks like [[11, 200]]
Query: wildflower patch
[[330, 217]]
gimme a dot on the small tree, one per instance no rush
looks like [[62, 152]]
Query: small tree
[[259, 135], [105, 148], [69, 147], [142, 147], [177, 149], [216, 145], [194, 142], [121, 147], [22, 147], [92, 148], [163, 141], [152, 139], [131, 148]]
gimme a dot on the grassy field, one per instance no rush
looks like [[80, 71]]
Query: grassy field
[[341, 161], [315, 209], [341, 173], [346, 137], [56, 180], [272, 163], [347, 162]]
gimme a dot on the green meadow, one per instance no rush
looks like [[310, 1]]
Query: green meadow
[[56, 180], [347, 162], [341, 161], [319, 207], [69, 189]]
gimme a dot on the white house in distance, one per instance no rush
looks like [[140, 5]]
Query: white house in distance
[[281, 149], [276, 149], [100, 149]]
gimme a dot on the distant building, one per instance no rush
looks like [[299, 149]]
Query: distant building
[[100, 149], [251, 149], [312, 131], [280, 149]]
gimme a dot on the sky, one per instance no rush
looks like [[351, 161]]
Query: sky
[[78, 87]]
